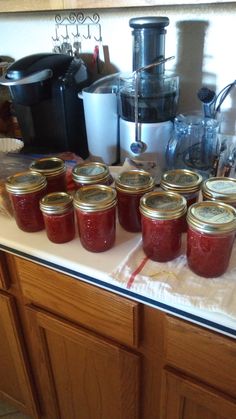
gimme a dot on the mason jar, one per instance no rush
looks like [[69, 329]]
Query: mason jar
[[91, 173], [58, 214], [220, 189], [95, 209], [131, 185], [54, 169], [163, 214], [210, 237], [25, 190]]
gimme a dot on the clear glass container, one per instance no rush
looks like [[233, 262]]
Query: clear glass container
[[25, 191], [210, 237], [131, 186], [58, 214], [194, 144], [95, 208], [91, 173], [54, 169], [163, 216]]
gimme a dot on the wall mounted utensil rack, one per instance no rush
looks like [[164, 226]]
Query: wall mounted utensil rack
[[72, 30]]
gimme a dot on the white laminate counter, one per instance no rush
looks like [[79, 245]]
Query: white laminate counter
[[97, 268]]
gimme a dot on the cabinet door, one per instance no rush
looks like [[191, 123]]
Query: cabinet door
[[29, 5], [15, 384], [4, 276], [79, 373], [183, 398]]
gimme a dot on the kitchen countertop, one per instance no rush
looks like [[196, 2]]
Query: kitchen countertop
[[99, 268]]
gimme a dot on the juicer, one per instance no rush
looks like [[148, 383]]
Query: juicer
[[148, 97], [130, 115]]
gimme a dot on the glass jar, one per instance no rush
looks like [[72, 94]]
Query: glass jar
[[162, 214], [220, 189], [91, 173], [95, 208], [210, 237], [54, 169], [25, 191], [184, 182], [58, 214], [131, 186]]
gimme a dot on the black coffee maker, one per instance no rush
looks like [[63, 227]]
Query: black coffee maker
[[44, 90]]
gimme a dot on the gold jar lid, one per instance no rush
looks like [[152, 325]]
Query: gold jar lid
[[134, 181], [48, 166], [163, 205], [220, 189], [25, 182], [181, 180], [95, 198], [91, 172], [56, 203], [212, 217]]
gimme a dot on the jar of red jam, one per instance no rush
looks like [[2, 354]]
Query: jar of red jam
[[54, 169], [162, 215], [95, 208], [91, 173], [210, 237], [131, 185], [25, 191], [184, 182], [58, 214], [221, 189]]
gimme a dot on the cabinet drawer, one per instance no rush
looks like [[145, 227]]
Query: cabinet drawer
[[99, 310], [4, 276], [204, 354]]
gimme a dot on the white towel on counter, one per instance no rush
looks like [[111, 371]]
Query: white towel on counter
[[173, 283]]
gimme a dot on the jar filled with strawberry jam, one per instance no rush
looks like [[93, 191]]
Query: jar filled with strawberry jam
[[54, 169], [25, 191], [221, 189], [210, 237], [58, 214], [95, 208], [131, 185], [91, 173], [184, 182], [162, 214]]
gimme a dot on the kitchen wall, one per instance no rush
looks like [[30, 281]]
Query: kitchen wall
[[201, 37]]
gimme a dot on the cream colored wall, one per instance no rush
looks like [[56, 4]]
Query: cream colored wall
[[202, 39]]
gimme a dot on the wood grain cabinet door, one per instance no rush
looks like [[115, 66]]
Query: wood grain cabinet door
[[82, 376], [183, 398], [15, 382]]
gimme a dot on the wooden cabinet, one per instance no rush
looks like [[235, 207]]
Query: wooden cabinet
[[15, 378], [87, 376], [95, 354], [47, 5], [184, 398]]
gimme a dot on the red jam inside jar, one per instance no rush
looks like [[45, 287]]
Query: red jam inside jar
[[95, 208], [131, 186], [220, 189], [185, 182], [25, 191], [162, 214], [91, 173], [58, 214], [54, 169], [210, 237]]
